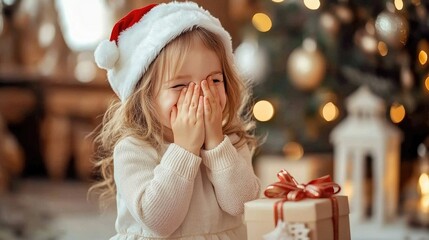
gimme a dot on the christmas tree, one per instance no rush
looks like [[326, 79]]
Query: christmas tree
[[306, 57]]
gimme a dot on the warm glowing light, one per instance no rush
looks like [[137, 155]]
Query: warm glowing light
[[424, 204], [427, 83], [263, 111], [347, 189], [424, 184], [369, 43], [262, 22], [399, 4], [329, 112], [382, 48], [293, 150], [423, 57], [397, 112], [424, 190], [312, 4], [277, 1]]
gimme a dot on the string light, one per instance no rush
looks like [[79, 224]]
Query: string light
[[262, 22], [427, 83], [399, 4], [369, 44], [312, 4], [423, 49], [397, 112], [329, 112], [263, 111], [423, 57], [382, 48]]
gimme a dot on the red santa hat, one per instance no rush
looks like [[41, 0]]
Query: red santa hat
[[138, 38]]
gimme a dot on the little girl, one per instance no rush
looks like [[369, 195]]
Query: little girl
[[176, 149]]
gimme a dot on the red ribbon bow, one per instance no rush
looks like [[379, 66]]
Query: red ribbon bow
[[289, 189]]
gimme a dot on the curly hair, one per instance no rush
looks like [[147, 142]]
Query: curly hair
[[137, 117]]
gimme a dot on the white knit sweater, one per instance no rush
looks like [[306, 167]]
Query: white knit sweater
[[181, 195]]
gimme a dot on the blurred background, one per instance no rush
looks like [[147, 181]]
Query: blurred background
[[336, 83]]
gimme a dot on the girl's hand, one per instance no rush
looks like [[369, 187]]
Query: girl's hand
[[212, 115], [187, 119]]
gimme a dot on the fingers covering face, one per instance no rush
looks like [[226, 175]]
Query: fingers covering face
[[195, 98]]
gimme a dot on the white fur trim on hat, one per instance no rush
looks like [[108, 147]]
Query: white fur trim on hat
[[106, 54], [140, 44]]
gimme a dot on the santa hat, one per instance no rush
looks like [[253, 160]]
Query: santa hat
[[138, 38]]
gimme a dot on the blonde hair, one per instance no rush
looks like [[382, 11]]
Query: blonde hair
[[135, 117]]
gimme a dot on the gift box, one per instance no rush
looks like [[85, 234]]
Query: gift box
[[315, 214]]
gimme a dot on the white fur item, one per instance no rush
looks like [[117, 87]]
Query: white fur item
[[106, 54], [141, 43]]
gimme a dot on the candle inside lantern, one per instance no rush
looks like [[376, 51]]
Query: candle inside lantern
[[423, 208]]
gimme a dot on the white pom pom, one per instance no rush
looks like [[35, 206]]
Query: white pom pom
[[106, 54]]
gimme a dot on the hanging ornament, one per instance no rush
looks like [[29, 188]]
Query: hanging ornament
[[251, 60], [306, 66], [392, 28]]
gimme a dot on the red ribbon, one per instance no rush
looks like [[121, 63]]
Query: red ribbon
[[289, 189]]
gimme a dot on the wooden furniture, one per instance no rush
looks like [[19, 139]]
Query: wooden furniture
[[52, 122]]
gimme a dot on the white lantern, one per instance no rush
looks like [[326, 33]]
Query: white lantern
[[366, 134]]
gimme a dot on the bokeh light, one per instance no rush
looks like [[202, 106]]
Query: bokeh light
[[399, 4], [423, 57], [293, 150], [312, 4], [263, 111], [329, 112], [397, 112], [262, 22], [382, 48]]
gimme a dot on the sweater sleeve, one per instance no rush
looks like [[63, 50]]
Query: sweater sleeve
[[231, 173], [157, 193]]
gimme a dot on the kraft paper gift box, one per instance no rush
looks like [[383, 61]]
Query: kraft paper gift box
[[315, 214]]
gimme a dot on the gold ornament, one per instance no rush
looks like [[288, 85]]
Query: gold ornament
[[392, 28], [306, 68]]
